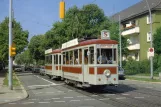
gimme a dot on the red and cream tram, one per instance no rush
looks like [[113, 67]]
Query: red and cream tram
[[53, 63], [92, 62]]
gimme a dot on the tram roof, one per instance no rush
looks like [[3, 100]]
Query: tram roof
[[56, 51], [93, 41]]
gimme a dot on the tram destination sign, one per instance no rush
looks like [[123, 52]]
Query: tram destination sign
[[105, 34]]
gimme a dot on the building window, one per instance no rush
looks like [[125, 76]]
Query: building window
[[148, 19], [148, 36]]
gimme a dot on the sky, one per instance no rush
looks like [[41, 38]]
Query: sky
[[38, 16]]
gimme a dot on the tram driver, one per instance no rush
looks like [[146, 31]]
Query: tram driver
[[102, 59]]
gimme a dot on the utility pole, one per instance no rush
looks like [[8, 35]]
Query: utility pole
[[151, 42], [10, 64], [120, 41]]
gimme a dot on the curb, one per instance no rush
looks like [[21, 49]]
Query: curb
[[26, 95], [144, 81]]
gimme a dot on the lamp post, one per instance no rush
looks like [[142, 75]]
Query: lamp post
[[151, 42], [120, 41], [10, 64]]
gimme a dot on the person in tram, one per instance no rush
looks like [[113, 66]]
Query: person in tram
[[102, 57]]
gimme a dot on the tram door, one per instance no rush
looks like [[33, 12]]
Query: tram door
[[85, 63]]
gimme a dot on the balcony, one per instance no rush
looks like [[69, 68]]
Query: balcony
[[131, 30], [134, 47]]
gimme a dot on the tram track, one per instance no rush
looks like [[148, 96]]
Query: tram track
[[111, 100]]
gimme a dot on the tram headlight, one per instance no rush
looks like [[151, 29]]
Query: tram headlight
[[107, 72]]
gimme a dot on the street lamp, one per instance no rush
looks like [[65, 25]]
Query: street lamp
[[151, 42], [120, 41], [10, 46]]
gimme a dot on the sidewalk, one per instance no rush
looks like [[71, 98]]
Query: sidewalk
[[7, 95], [137, 76]]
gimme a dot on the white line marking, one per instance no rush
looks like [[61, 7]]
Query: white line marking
[[70, 90], [19, 97], [32, 99], [28, 103], [125, 94], [44, 102], [104, 99], [149, 87], [55, 98], [94, 95], [121, 98], [49, 92], [110, 94], [39, 85], [60, 91], [74, 100], [11, 103], [59, 101], [38, 92], [89, 99], [138, 97], [68, 97], [47, 99], [46, 80], [81, 96]]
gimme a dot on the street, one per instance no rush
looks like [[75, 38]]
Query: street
[[52, 93]]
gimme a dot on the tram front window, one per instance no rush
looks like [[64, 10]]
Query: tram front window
[[106, 56]]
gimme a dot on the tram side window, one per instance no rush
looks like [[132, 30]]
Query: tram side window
[[67, 58], [76, 61], [48, 59], [64, 58], [59, 59], [91, 55], [106, 56], [85, 56], [80, 56], [54, 59], [71, 57], [56, 56]]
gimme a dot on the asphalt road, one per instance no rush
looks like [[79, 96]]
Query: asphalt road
[[44, 92]]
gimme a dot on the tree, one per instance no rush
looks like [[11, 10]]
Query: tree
[[24, 58], [157, 39], [20, 38], [78, 23], [37, 47]]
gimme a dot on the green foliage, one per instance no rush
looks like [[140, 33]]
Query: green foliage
[[37, 47], [19, 38], [86, 21], [157, 43], [24, 58]]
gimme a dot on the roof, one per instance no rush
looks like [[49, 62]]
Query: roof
[[56, 51], [94, 41], [137, 10]]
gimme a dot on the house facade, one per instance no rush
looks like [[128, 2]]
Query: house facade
[[135, 24]]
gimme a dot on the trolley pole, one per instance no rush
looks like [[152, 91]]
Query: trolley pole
[[120, 41], [151, 42], [10, 64]]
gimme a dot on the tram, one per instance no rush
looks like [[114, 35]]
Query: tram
[[53, 63], [85, 63]]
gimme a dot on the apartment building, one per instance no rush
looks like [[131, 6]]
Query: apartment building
[[135, 22]]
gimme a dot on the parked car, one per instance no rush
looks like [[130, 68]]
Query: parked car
[[18, 68], [36, 69], [42, 70], [121, 73]]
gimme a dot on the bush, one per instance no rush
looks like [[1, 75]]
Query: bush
[[131, 67]]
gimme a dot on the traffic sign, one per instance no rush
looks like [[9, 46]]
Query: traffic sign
[[151, 52], [105, 34]]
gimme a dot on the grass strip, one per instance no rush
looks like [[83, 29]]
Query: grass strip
[[143, 79], [15, 80]]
